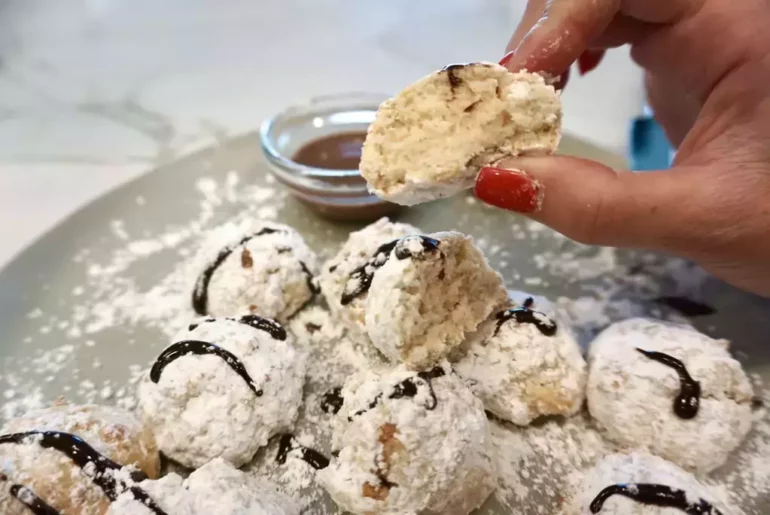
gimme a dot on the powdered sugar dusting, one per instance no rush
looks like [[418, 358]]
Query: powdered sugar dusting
[[130, 301]]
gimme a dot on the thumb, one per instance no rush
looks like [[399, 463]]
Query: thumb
[[592, 203]]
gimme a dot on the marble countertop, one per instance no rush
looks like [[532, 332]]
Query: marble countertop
[[96, 92]]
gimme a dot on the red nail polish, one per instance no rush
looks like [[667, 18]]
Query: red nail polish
[[561, 82], [507, 57], [509, 189], [589, 60]]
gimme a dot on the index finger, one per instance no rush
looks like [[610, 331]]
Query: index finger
[[561, 34], [532, 14]]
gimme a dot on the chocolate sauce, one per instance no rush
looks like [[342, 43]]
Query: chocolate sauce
[[655, 495], [364, 274], [687, 307], [310, 456], [524, 315], [200, 296], [686, 404], [185, 347], [28, 498], [311, 284], [454, 80], [403, 252], [102, 470], [334, 152], [268, 325], [409, 388], [332, 401]]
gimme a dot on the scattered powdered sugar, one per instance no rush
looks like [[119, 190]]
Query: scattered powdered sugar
[[123, 290]]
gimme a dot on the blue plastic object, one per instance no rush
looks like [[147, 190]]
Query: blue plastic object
[[649, 148]]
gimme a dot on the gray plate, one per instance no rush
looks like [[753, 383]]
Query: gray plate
[[45, 287]]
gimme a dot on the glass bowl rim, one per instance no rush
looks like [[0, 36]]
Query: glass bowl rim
[[304, 171]]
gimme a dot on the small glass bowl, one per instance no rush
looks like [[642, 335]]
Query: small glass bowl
[[337, 194]]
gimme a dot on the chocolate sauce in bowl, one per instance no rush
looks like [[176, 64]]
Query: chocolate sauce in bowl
[[333, 152]]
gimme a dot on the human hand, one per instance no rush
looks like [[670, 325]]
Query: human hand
[[707, 73]]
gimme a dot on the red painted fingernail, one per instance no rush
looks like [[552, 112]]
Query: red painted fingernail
[[561, 82], [506, 58], [589, 60], [509, 189]]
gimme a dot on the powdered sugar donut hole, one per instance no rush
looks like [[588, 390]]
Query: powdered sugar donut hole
[[215, 488], [32, 469], [360, 247], [430, 292], [639, 393], [624, 484], [223, 389], [259, 268], [410, 442], [523, 365]]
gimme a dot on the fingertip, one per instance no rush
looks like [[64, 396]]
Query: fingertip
[[589, 60], [509, 189]]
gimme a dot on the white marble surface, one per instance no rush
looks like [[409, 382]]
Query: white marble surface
[[96, 92]]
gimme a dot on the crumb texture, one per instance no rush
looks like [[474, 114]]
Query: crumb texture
[[430, 140], [360, 247], [426, 298]]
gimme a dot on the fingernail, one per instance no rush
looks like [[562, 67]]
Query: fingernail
[[589, 60], [506, 58], [509, 189], [557, 82], [561, 82]]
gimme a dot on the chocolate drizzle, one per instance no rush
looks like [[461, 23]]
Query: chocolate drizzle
[[28, 498], [102, 470], [687, 307], [268, 325], [454, 80], [655, 495], [525, 315], [409, 388], [332, 401], [687, 402], [310, 456], [363, 275], [311, 284], [185, 347], [200, 296]]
